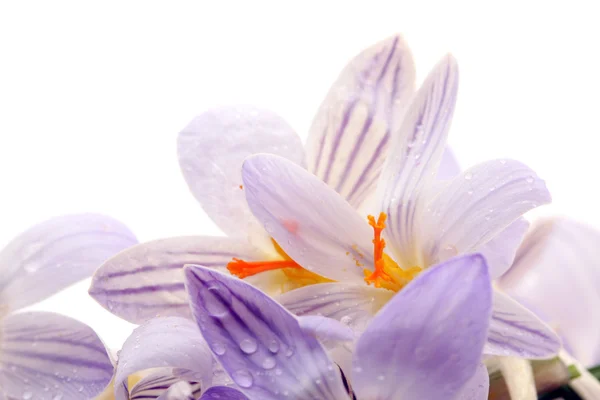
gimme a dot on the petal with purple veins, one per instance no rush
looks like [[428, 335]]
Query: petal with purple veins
[[403, 354], [413, 161], [258, 342], [476, 388], [516, 331], [163, 342], [315, 226], [350, 135], [478, 205], [223, 393], [146, 281], [211, 151], [55, 254], [157, 383], [47, 356]]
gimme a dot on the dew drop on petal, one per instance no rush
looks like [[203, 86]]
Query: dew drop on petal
[[468, 176], [27, 395], [273, 346], [218, 348], [248, 346], [243, 378], [268, 363], [217, 300]]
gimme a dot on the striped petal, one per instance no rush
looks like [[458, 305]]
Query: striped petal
[[156, 384], [163, 342], [49, 356], [478, 205], [416, 153], [353, 305], [211, 151], [55, 254], [223, 393], [350, 134], [258, 342], [557, 274], [313, 224], [516, 331], [146, 281], [427, 342], [476, 388], [327, 330]]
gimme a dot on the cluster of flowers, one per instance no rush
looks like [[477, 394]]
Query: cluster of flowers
[[364, 265]]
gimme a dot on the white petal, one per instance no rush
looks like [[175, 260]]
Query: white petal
[[211, 151], [349, 137], [518, 375], [500, 251]]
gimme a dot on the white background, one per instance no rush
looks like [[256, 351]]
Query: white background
[[92, 96]]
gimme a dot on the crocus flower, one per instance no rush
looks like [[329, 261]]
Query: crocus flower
[[556, 274], [346, 148], [422, 344], [422, 223], [45, 355]]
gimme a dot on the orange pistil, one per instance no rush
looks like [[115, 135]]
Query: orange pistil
[[243, 269], [388, 273], [378, 246]]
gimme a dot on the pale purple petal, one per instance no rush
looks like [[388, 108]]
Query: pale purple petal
[[146, 281], [449, 167], [516, 331], [478, 205], [313, 224], [55, 254], [163, 342], [325, 329], [476, 388], [557, 274], [258, 342], [156, 384], [414, 158], [179, 391], [211, 151], [350, 135], [500, 251], [354, 305], [223, 393], [45, 356], [427, 342]]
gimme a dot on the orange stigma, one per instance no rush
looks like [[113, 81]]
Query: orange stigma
[[388, 273], [243, 269]]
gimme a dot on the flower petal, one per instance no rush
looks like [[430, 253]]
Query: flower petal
[[258, 342], [478, 205], [449, 167], [163, 342], [557, 274], [416, 153], [55, 254], [211, 151], [223, 393], [500, 251], [516, 331], [349, 137], [310, 221], [156, 384], [518, 376], [477, 387], [48, 356], [402, 354], [354, 305], [146, 281], [326, 329]]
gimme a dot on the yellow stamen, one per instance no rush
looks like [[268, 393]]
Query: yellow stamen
[[388, 274]]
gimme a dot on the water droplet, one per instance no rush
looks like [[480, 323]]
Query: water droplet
[[273, 346], [219, 348], [529, 179], [289, 352], [447, 252], [268, 363], [318, 381], [358, 369], [217, 300], [502, 162], [243, 378], [468, 176], [27, 395], [248, 346], [278, 372], [381, 378], [492, 188], [58, 397], [346, 320]]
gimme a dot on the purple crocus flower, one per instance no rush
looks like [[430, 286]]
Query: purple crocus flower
[[346, 147], [46, 355], [423, 223], [422, 345], [556, 274]]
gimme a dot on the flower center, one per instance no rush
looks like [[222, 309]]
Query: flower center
[[387, 274], [292, 270]]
